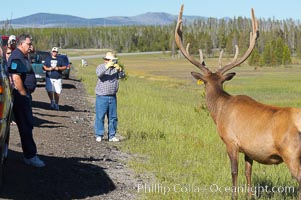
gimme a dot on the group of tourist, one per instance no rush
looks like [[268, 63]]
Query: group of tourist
[[23, 84]]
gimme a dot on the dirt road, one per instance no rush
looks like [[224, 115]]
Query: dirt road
[[77, 167]]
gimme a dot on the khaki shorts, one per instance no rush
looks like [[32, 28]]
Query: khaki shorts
[[54, 85]]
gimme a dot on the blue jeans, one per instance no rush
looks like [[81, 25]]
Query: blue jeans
[[105, 106]]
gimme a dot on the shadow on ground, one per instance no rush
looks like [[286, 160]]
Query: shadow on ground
[[266, 189], [46, 106], [74, 178]]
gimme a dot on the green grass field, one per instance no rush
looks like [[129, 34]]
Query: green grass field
[[160, 109]]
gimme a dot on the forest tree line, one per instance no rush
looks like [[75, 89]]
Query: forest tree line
[[279, 40]]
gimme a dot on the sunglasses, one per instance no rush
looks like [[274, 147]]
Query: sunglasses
[[29, 44]]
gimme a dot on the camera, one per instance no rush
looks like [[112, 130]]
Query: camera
[[115, 61]]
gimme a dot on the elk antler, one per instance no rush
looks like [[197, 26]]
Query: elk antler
[[253, 36], [221, 55], [179, 41]]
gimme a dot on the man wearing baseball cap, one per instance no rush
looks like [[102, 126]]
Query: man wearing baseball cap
[[11, 45], [12, 42], [54, 66]]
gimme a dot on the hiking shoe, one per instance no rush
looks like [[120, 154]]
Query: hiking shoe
[[56, 107], [52, 106], [98, 139], [114, 139], [34, 161]]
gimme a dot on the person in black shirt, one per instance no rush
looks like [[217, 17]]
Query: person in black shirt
[[24, 83]]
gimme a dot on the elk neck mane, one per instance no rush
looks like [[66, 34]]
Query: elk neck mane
[[216, 98]]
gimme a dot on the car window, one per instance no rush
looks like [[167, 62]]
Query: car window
[[39, 56], [43, 55]]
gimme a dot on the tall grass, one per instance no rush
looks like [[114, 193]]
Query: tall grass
[[160, 113]]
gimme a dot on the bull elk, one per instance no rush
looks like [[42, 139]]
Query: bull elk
[[264, 133]]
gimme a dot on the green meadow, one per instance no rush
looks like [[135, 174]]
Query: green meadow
[[177, 149]]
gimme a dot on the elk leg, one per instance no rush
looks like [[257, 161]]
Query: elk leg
[[296, 172], [292, 158], [233, 156], [248, 174], [295, 168]]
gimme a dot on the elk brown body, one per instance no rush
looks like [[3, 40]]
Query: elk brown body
[[264, 133]]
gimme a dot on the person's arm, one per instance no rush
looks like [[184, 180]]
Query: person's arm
[[102, 68], [18, 83], [60, 68], [47, 67], [62, 63]]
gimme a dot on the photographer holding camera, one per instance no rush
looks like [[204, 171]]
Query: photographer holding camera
[[106, 88]]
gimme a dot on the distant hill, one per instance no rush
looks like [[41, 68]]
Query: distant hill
[[47, 20]]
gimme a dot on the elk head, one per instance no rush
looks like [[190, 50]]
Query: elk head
[[219, 76], [215, 94]]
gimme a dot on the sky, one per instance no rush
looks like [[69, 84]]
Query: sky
[[274, 9]]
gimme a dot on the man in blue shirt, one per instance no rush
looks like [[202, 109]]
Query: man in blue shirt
[[24, 83], [54, 66]]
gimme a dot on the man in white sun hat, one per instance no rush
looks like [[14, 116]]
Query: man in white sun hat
[[106, 88]]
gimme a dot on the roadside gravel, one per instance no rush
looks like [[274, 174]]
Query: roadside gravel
[[77, 167]]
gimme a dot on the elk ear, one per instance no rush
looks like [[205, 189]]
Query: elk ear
[[198, 76], [229, 76]]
